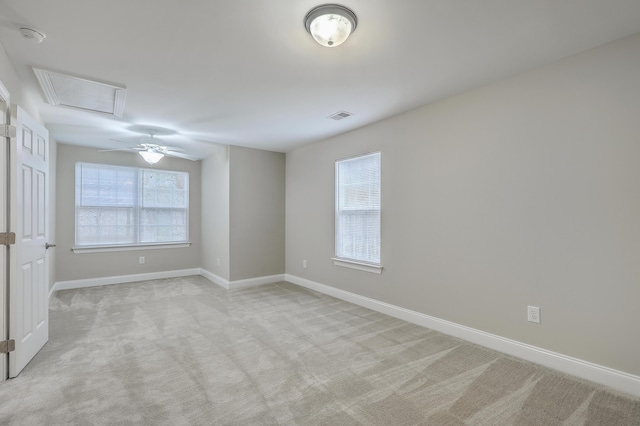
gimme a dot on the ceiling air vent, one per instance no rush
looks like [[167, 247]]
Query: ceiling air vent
[[81, 93], [340, 115]]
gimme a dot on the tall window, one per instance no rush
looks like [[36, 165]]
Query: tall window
[[130, 206], [358, 209]]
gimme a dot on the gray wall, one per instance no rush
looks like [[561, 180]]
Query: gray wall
[[257, 205], [19, 94], [524, 192], [70, 266], [215, 212]]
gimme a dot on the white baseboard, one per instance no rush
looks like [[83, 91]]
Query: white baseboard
[[120, 279], [252, 282], [53, 290], [215, 278], [618, 380]]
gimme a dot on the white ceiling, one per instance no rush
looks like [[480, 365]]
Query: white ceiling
[[246, 72]]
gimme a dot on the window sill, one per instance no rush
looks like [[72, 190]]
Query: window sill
[[366, 267], [103, 249]]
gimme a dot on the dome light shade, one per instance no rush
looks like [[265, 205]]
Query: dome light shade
[[151, 156], [330, 24]]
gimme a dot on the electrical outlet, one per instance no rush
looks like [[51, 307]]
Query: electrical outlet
[[533, 314], [141, 260], [304, 263], [218, 261]]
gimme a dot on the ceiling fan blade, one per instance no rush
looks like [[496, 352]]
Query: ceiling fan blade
[[171, 151], [180, 155], [129, 148], [116, 149], [172, 148]]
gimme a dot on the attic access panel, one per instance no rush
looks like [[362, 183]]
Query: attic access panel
[[81, 93]]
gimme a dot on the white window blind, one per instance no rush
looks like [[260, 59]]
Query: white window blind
[[118, 205], [358, 209]]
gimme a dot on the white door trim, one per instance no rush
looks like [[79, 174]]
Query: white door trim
[[5, 102]]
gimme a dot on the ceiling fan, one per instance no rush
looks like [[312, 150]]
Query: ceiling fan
[[152, 151]]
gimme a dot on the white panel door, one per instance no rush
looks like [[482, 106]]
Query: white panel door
[[4, 332], [29, 219]]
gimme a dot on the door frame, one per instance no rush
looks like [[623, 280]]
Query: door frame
[[5, 111]]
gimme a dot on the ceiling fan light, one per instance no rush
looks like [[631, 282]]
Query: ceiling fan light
[[330, 24], [151, 156]]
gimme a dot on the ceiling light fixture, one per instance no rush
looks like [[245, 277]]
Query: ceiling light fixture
[[153, 152], [330, 24], [32, 35], [151, 156]]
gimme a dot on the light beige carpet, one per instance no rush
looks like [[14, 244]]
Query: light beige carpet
[[184, 351]]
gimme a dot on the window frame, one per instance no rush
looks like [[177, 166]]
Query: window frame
[[137, 208], [354, 263]]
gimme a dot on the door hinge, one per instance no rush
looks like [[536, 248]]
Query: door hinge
[[7, 346], [7, 238], [7, 131]]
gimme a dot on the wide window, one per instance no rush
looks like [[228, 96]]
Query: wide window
[[129, 206], [358, 209]]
